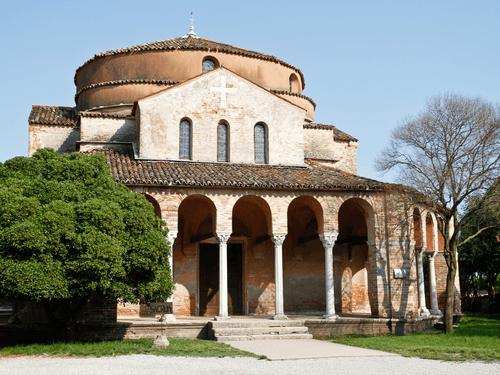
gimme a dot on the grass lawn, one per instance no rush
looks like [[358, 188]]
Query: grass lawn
[[177, 347], [477, 338]]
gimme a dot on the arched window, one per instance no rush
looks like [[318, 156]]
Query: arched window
[[294, 84], [209, 64], [222, 142], [185, 140], [260, 144]]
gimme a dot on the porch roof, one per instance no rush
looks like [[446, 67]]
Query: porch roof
[[125, 169]]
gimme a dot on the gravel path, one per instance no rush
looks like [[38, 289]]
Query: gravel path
[[148, 364]]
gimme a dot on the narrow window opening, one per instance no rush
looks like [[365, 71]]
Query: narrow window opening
[[260, 144], [222, 143], [185, 140]]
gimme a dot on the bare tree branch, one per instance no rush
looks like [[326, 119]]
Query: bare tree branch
[[449, 152]]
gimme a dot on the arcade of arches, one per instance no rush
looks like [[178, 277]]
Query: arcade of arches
[[279, 253]]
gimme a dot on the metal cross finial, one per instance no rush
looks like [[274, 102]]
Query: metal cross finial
[[191, 29]]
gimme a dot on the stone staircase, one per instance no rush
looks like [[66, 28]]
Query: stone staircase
[[257, 329]]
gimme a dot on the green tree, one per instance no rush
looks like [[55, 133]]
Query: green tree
[[480, 254], [449, 152], [68, 230]]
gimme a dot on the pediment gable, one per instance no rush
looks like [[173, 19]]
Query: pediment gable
[[219, 83], [205, 101]]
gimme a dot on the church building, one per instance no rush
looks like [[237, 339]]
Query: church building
[[265, 211]]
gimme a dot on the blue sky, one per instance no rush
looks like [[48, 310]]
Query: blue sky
[[367, 64]]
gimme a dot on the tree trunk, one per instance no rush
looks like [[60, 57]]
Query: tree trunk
[[449, 306]]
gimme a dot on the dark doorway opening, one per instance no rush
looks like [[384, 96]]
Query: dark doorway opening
[[209, 279]]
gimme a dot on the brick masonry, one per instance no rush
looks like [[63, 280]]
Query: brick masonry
[[377, 229]]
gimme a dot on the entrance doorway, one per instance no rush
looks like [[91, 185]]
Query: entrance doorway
[[209, 279]]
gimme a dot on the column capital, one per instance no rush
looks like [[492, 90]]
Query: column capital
[[222, 237], [171, 236], [328, 239], [278, 239], [420, 249], [431, 256]]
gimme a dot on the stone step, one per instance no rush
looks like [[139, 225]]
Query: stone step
[[256, 323], [264, 337], [250, 331]]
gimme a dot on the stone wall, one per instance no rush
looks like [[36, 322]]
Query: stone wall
[[320, 145], [61, 138], [245, 106], [369, 282]]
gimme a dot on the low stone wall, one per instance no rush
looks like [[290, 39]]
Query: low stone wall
[[369, 326], [198, 329], [24, 333]]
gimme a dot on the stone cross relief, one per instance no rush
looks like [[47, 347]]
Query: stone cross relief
[[223, 91]]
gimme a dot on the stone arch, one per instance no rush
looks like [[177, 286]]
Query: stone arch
[[155, 204], [197, 217], [304, 257], [252, 226], [258, 220], [356, 230]]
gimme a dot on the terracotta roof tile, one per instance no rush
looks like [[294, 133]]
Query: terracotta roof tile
[[106, 115], [126, 170], [53, 115], [337, 134], [284, 92], [190, 43]]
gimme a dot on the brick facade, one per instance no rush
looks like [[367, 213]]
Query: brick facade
[[306, 189]]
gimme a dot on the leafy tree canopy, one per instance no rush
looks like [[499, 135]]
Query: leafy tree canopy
[[67, 230]]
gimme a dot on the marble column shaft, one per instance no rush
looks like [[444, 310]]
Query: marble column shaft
[[328, 240], [278, 275]]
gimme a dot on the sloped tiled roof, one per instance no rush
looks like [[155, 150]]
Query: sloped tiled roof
[[53, 115], [337, 134], [126, 170], [106, 115], [284, 92], [190, 43]]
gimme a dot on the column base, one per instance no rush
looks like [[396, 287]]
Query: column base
[[167, 318], [280, 317], [436, 312], [423, 312], [331, 317], [219, 318]]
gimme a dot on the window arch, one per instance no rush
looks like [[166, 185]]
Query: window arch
[[223, 142], [209, 63], [260, 135], [294, 84], [185, 139]]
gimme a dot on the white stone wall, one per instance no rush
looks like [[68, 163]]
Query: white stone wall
[[107, 129], [61, 138], [319, 144], [246, 105]]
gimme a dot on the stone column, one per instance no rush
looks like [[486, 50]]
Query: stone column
[[432, 285], [328, 240], [222, 238], [278, 275], [421, 284], [171, 236]]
